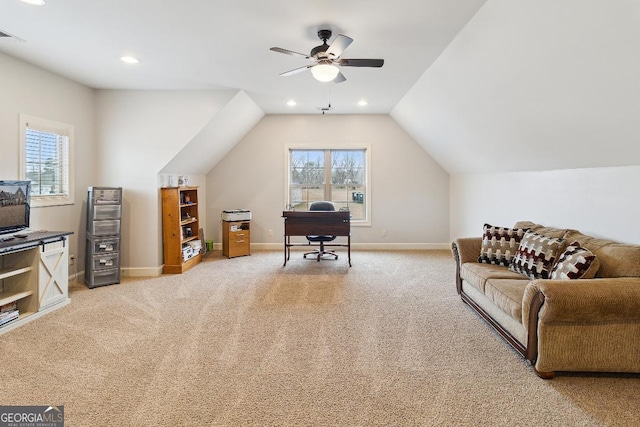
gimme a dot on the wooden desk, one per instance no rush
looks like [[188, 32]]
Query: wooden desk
[[316, 223]]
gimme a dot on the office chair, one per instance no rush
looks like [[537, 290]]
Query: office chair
[[320, 252]]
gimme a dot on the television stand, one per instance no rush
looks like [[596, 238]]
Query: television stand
[[34, 275]]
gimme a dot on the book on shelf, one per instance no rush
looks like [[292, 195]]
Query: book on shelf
[[8, 316], [9, 307]]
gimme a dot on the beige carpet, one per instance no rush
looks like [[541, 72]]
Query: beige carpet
[[247, 342]]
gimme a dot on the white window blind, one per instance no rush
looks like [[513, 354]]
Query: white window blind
[[46, 160]]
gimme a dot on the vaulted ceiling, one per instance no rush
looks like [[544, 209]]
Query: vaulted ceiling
[[482, 85], [219, 44]]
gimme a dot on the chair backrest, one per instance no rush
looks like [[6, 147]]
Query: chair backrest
[[322, 206]]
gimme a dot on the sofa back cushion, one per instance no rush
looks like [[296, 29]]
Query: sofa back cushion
[[536, 255], [616, 259], [541, 229]]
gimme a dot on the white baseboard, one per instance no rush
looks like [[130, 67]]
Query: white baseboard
[[356, 246], [141, 271], [157, 271]]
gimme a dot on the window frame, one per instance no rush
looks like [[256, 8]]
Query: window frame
[[333, 146], [45, 125]]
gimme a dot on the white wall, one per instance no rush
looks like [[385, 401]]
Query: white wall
[[26, 89], [410, 192], [533, 85], [601, 202]]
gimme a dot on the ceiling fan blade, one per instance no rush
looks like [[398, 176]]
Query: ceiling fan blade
[[297, 70], [339, 78], [289, 52], [360, 62], [338, 46]]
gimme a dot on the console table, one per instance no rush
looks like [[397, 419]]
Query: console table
[[316, 223], [34, 274]]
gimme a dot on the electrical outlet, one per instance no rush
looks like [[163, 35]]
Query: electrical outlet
[[270, 233], [72, 259], [384, 233]]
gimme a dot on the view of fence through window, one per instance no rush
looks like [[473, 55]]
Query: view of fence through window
[[335, 175], [46, 162]]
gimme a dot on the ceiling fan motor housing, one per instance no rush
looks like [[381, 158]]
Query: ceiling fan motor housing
[[324, 35]]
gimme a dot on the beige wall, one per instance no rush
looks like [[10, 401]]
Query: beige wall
[[139, 133], [409, 191], [26, 89]]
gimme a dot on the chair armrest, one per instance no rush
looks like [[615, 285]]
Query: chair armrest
[[465, 249], [583, 300]]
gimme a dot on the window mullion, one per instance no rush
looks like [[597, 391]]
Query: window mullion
[[327, 174]]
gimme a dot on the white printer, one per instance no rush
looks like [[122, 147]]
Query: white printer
[[236, 215]]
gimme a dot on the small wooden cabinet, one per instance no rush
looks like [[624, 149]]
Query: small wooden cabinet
[[180, 229], [236, 238]]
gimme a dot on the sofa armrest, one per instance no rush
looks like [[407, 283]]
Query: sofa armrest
[[582, 303], [584, 300], [465, 249], [468, 248]]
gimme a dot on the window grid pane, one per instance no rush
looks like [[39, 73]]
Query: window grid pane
[[346, 177]]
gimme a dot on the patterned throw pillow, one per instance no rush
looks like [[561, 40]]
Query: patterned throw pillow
[[499, 244], [536, 255], [575, 262]]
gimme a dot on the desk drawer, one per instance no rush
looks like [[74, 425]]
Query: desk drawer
[[239, 244]]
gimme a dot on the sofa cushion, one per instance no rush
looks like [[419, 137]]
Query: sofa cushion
[[507, 294], [536, 255], [541, 229], [616, 259], [499, 244], [575, 262], [476, 274]]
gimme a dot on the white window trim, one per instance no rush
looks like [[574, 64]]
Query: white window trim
[[54, 127], [332, 146]]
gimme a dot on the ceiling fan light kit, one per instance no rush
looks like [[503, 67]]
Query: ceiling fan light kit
[[326, 58], [324, 72]]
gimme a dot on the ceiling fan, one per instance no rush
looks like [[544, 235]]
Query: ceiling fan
[[325, 58]]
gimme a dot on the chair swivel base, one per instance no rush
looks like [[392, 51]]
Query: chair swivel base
[[319, 254]]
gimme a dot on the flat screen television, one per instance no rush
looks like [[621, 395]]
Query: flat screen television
[[15, 198]]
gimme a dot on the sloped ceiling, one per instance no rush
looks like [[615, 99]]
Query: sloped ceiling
[[221, 44], [214, 141], [533, 85]]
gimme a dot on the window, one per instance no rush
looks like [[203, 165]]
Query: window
[[337, 175], [45, 159]]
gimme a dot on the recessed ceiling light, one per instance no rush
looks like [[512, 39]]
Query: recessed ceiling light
[[362, 103], [34, 2], [129, 59], [291, 103]]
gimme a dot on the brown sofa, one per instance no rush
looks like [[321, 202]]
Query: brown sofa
[[583, 325]]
